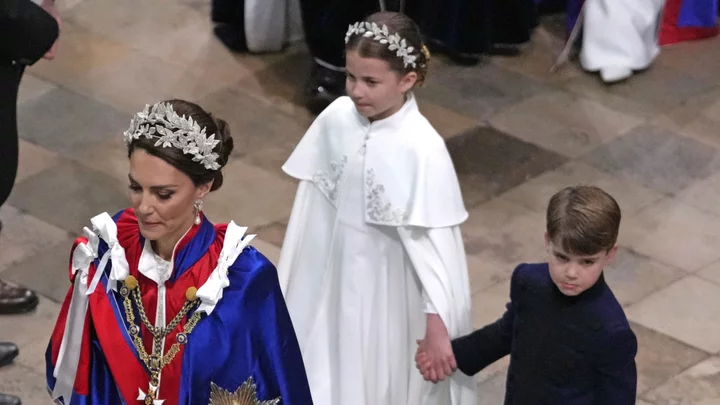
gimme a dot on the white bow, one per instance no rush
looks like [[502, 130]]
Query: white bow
[[71, 345], [107, 229], [212, 291]]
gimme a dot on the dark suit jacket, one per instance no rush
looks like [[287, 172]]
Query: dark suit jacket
[[563, 350], [26, 31]]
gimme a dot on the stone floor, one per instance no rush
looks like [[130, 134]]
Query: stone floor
[[517, 134]]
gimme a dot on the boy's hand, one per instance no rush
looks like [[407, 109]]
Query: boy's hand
[[434, 357]]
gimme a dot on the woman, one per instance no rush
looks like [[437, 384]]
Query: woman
[[165, 306]]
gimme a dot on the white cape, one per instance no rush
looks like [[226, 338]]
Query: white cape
[[373, 243], [620, 36]]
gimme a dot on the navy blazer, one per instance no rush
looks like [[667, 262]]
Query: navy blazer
[[563, 350]]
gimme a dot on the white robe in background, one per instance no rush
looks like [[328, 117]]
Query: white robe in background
[[372, 245], [270, 24], [620, 36]]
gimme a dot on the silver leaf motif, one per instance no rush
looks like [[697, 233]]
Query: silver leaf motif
[[160, 121], [379, 209], [327, 181], [382, 35]]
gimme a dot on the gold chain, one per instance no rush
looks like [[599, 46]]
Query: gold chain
[[155, 361]]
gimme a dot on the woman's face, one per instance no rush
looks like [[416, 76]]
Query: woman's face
[[163, 197]]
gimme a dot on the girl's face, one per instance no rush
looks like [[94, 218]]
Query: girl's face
[[377, 91]]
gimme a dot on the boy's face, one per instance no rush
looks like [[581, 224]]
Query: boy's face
[[573, 274]]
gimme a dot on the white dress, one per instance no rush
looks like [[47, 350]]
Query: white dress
[[620, 36], [358, 292]]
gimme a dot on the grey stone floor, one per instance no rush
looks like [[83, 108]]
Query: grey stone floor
[[516, 132]]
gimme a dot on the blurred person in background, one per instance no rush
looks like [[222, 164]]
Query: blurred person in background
[[30, 32]]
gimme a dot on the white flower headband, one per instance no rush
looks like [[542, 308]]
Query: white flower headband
[[171, 130], [382, 35]]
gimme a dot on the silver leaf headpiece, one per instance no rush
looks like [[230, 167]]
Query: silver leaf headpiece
[[161, 122], [382, 35]]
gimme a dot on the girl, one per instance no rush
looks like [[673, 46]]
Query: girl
[[373, 259]]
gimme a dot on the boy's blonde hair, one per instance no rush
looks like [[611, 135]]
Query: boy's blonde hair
[[583, 220]]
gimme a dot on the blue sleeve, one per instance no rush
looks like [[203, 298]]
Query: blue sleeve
[[617, 370], [485, 346]]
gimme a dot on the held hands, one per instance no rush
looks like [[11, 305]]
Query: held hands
[[49, 6], [434, 357]]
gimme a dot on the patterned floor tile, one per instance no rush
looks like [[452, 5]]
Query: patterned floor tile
[[86, 193], [34, 159], [699, 385], [634, 276], [23, 236], [489, 162], [108, 156], [447, 122], [659, 357], [32, 87], [504, 234], [484, 273], [674, 233], [704, 194], [492, 391], [27, 328], [536, 193], [120, 76], [282, 82], [710, 273], [703, 54], [46, 272], [477, 92], [251, 197], [489, 305], [539, 56], [656, 158], [63, 121], [563, 122], [697, 118], [273, 233], [25, 383], [643, 94], [687, 310], [170, 31], [259, 130]]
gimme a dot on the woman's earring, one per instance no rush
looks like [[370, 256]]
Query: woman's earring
[[198, 210]]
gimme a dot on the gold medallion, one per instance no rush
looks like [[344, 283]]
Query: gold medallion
[[245, 395]]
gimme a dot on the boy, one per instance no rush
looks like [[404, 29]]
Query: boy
[[568, 338]]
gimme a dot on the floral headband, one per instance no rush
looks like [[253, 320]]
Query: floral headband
[[382, 35]]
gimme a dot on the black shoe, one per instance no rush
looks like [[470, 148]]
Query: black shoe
[[8, 352], [6, 399], [325, 85], [16, 300]]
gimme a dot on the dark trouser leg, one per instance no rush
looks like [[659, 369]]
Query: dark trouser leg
[[325, 23], [229, 16], [10, 76], [13, 299]]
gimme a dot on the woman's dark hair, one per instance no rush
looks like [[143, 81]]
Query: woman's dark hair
[[184, 162], [406, 28]]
